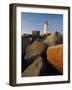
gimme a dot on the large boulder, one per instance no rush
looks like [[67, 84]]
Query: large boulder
[[54, 39], [34, 50], [34, 69], [55, 56]]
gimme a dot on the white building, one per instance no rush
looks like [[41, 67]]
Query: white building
[[45, 27]]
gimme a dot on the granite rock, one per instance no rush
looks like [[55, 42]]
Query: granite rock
[[54, 39], [55, 56], [34, 50], [34, 69]]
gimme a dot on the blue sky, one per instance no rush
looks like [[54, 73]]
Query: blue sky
[[35, 21]]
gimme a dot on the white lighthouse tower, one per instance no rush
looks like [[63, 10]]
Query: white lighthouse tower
[[46, 27]]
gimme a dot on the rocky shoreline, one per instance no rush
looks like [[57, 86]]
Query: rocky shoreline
[[37, 55]]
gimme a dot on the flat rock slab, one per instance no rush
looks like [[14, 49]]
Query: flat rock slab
[[34, 69], [55, 56]]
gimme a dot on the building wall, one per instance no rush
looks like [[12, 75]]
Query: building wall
[[35, 35]]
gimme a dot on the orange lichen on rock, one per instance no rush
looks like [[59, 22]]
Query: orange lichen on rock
[[55, 56]]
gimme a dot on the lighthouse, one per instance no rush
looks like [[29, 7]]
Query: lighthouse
[[46, 27]]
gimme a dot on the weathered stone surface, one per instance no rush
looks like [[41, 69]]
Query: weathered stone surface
[[55, 56], [36, 48], [34, 69], [26, 40], [54, 39]]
